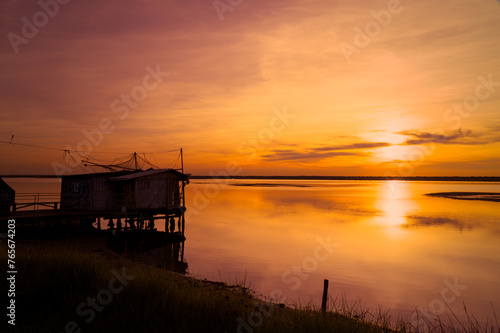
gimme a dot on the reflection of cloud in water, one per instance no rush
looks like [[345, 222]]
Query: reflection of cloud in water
[[330, 204], [415, 221], [461, 224]]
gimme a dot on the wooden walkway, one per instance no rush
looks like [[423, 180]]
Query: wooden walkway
[[40, 219]]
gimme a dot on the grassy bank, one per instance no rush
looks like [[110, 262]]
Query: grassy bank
[[67, 288], [62, 289]]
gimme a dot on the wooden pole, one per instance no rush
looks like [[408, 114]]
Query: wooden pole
[[325, 296], [183, 224], [182, 162]]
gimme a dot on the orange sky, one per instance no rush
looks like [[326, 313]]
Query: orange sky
[[298, 87]]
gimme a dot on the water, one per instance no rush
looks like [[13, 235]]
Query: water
[[390, 245], [394, 246]]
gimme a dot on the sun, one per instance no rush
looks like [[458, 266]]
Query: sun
[[396, 151], [386, 130]]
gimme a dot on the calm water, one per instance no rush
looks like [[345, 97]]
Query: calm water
[[389, 244], [395, 247]]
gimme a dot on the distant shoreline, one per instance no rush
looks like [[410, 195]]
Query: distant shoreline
[[415, 178], [268, 185], [470, 179]]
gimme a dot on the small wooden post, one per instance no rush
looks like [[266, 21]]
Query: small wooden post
[[325, 296]]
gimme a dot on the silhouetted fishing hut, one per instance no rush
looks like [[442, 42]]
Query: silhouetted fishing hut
[[130, 200], [132, 197], [124, 191]]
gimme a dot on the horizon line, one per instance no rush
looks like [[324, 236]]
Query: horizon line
[[310, 177]]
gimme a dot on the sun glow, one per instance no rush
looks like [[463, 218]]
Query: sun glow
[[395, 205]]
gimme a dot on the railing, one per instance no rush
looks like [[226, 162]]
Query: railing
[[36, 200]]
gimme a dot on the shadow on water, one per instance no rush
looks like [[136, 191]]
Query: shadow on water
[[155, 248], [169, 257]]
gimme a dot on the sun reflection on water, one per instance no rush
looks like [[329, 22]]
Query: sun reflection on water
[[395, 203]]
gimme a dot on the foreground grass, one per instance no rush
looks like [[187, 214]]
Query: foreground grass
[[60, 288], [56, 285]]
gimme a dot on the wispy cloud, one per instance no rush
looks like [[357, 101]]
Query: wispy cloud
[[309, 156], [458, 137], [323, 152], [361, 145]]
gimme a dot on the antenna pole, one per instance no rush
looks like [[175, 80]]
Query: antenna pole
[[182, 162]]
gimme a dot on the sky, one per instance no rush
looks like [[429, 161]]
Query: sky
[[297, 87]]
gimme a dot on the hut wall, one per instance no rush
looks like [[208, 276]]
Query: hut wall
[[125, 196], [87, 193], [151, 191], [157, 191], [122, 192]]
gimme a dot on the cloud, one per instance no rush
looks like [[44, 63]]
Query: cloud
[[458, 137], [320, 153], [361, 145], [309, 156]]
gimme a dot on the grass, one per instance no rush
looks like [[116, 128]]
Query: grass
[[54, 279]]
